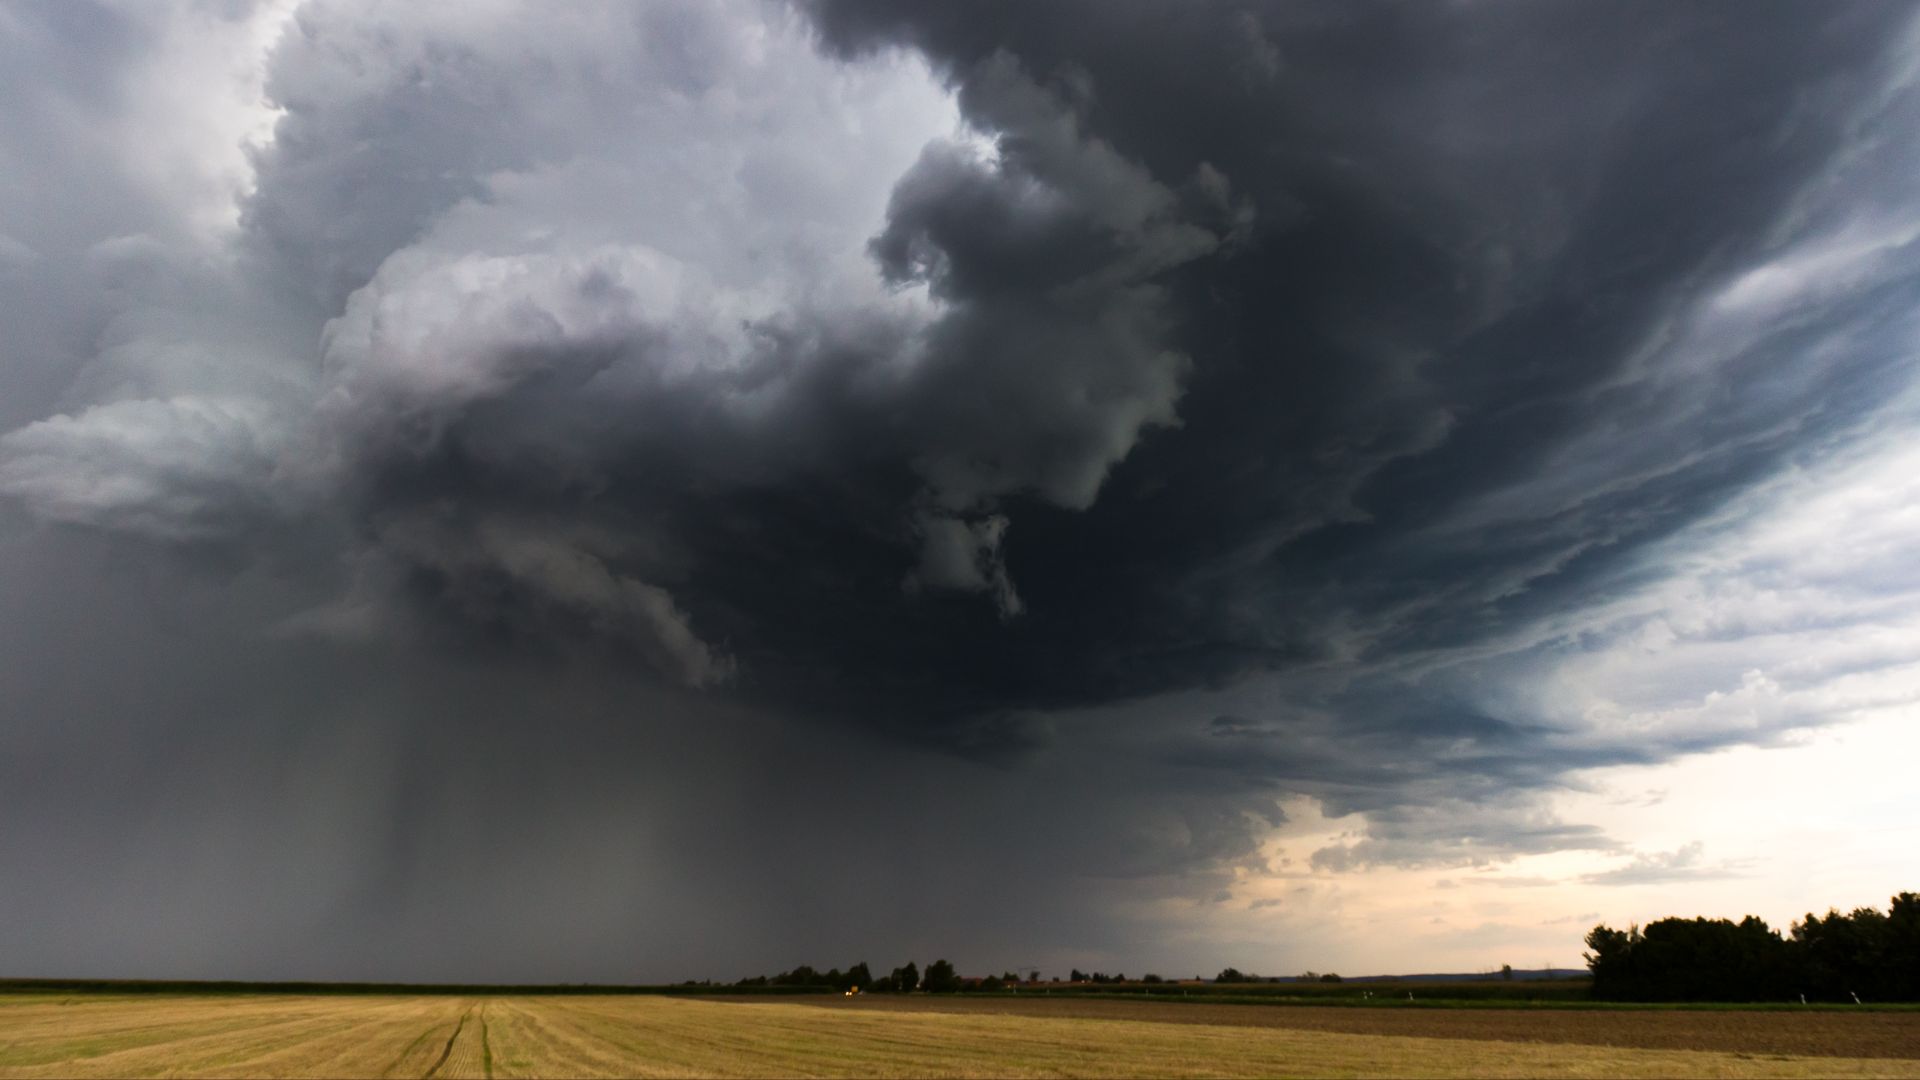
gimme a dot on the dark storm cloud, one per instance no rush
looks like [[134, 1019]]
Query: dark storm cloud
[[1467, 230], [1251, 402], [1426, 403]]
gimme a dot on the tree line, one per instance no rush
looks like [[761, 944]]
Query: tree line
[[1865, 955], [1235, 975], [939, 978]]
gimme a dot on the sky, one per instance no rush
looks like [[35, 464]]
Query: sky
[[634, 492]]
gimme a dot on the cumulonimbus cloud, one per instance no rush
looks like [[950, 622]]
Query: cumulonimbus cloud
[[1414, 390]]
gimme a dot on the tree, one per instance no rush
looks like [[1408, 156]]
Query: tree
[[1330, 977], [1903, 949], [1692, 960], [940, 978], [902, 980], [858, 977], [1231, 975], [1611, 961], [1856, 954], [1506, 972]]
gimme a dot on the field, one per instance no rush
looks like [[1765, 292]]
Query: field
[[1358, 991], [84, 1034]]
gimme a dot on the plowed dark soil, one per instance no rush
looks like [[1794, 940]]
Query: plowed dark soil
[[1824, 1034]]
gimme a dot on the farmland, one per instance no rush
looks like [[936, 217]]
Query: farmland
[[95, 1034]]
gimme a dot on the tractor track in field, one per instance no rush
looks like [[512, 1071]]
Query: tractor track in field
[[486, 1045], [417, 1040], [447, 1050]]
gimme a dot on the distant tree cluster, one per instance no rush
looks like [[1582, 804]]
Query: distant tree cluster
[[902, 980], [997, 982], [940, 978], [1235, 975], [1864, 955], [854, 978]]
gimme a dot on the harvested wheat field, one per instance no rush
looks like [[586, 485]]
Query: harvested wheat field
[[514, 1036], [1826, 1033]]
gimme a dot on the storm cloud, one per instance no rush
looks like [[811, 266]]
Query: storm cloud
[[674, 486]]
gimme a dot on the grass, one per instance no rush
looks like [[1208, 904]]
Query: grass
[[1499, 991], [585, 1035]]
